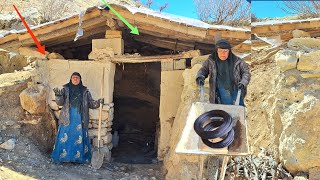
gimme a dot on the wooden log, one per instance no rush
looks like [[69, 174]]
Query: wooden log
[[89, 24], [8, 38], [88, 34], [60, 25], [162, 58]]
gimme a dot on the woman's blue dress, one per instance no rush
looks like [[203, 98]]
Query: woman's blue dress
[[72, 142]]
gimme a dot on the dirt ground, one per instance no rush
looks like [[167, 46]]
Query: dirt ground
[[30, 158], [25, 161]]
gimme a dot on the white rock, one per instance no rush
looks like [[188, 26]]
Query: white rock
[[33, 99], [55, 56], [28, 51], [9, 123], [54, 106], [107, 139], [57, 114], [8, 145], [90, 125], [95, 113], [309, 62], [95, 142], [94, 132], [304, 43], [299, 33], [286, 60]]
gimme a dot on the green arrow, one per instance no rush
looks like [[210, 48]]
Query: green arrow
[[134, 30]]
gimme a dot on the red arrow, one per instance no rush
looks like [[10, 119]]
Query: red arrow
[[41, 49]]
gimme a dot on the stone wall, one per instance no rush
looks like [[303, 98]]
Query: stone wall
[[182, 166], [171, 89]]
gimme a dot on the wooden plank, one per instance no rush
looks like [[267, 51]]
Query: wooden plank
[[69, 40], [188, 54], [270, 29], [224, 167], [89, 24], [60, 25], [8, 38], [244, 35], [156, 22], [11, 45], [167, 44], [129, 60], [171, 35], [162, 58], [286, 36], [174, 30]]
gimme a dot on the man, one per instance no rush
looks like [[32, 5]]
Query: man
[[227, 73]]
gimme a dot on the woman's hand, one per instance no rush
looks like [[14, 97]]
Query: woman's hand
[[101, 101], [57, 91]]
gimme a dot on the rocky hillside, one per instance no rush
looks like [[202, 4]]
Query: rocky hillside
[[283, 105]]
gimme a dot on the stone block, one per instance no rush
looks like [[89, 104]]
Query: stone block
[[53, 105], [57, 114], [299, 33], [95, 113], [180, 64], [55, 56], [311, 75], [94, 132], [199, 60], [107, 139], [33, 99], [110, 34], [101, 54], [309, 61], [167, 66], [304, 43], [116, 44], [28, 51], [95, 142], [286, 60]]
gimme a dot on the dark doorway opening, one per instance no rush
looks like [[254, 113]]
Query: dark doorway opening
[[136, 113]]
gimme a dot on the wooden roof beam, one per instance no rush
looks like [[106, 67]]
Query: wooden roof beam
[[69, 39], [89, 24], [61, 24], [161, 58]]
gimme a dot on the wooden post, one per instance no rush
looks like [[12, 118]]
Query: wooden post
[[224, 167]]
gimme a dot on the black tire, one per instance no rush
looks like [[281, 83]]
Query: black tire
[[221, 144], [204, 124]]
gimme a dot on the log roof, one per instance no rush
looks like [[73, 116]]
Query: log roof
[[158, 29]]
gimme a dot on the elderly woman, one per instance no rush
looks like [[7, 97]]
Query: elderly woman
[[72, 142], [227, 73]]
